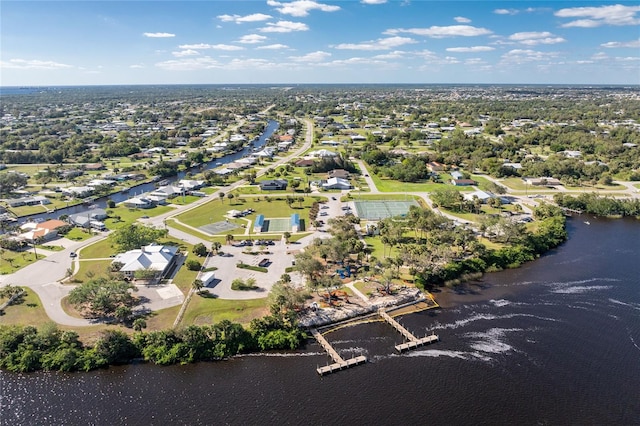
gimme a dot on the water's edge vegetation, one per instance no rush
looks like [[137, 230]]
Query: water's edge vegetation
[[26, 348]]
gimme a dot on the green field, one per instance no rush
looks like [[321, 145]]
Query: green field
[[390, 185], [209, 310]]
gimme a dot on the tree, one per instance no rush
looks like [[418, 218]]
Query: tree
[[230, 197], [286, 236], [221, 196], [216, 246], [200, 250], [197, 285], [123, 313], [229, 238], [9, 182], [139, 324], [135, 236], [101, 297]]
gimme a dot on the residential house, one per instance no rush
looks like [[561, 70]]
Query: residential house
[[434, 166], [304, 162], [275, 184], [43, 231], [139, 203], [336, 183], [152, 257], [542, 181], [28, 201], [339, 173], [89, 219]]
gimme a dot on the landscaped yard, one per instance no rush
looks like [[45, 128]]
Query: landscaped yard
[[209, 310], [390, 185], [30, 311], [11, 261], [120, 216]]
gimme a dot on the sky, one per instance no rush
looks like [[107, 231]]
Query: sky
[[308, 41]]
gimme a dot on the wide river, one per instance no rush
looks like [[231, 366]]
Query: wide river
[[554, 342]]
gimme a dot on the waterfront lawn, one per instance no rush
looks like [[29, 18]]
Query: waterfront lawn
[[182, 201], [205, 309], [12, 261]]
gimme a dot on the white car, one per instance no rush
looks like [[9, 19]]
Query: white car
[[324, 214]]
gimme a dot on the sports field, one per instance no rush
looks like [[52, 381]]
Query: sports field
[[380, 209], [218, 227], [277, 225]]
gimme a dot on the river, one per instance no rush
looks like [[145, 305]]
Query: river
[[118, 197], [554, 342]]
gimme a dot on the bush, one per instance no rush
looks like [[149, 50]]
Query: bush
[[193, 265], [200, 250]]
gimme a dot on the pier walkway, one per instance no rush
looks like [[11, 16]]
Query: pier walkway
[[413, 341], [338, 362]]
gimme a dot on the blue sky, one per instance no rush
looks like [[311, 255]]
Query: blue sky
[[307, 41]]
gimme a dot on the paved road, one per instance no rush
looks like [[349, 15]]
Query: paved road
[[43, 278]]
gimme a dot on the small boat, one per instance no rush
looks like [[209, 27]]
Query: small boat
[[586, 222], [164, 182]]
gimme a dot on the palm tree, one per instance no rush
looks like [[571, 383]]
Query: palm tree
[[221, 196], [197, 285], [229, 238], [215, 246]]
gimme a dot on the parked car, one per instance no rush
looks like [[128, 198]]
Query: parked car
[[323, 213], [73, 254], [264, 263]]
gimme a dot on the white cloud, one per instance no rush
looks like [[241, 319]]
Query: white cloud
[[136, 66], [634, 44], [470, 49], [190, 64], [462, 20], [158, 35], [396, 54], [590, 17], [373, 1], [440, 32], [273, 47], [27, 64], [284, 27], [534, 38], [238, 19], [301, 8], [252, 39], [506, 11], [186, 52], [521, 56], [203, 46], [318, 56], [380, 44]]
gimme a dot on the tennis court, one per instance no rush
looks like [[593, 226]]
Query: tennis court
[[277, 225], [380, 209], [218, 227]]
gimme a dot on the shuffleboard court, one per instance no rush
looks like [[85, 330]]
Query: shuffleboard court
[[380, 209], [218, 227]]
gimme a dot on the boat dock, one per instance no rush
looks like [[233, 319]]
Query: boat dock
[[413, 341], [338, 362]]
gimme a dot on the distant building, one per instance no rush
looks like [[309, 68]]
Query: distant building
[[339, 173], [275, 184], [463, 182], [336, 183]]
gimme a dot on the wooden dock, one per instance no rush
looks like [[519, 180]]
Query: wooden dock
[[413, 341], [338, 362]]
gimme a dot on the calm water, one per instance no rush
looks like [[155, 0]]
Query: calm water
[[555, 342]]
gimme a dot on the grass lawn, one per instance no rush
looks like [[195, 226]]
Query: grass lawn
[[182, 201], [516, 184], [11, 261], [491, 244], [162, 319], [390, 185], [92, 269], [127, 215], [29, 312], [78, 234], [374, 197], [98, 250], [49, 248], [209, 310]]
